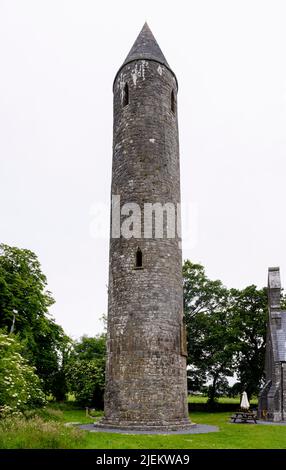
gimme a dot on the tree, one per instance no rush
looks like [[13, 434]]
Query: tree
[[23, 293], [58, 380], [210, 336], [89, 348], [24, 309], [20, 387], [226, 331], [85, 370], [249, 320]]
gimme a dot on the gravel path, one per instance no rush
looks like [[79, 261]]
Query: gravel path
[[261, 421], [272, 423], [196, 429]]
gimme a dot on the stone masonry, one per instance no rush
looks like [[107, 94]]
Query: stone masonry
[[272, 399], [146, 382]]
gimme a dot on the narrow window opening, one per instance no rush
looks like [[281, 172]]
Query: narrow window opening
[[139, 258], [183, 337], [125, 95], [173, 102]]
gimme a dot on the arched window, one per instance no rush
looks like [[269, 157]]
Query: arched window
[[139, 258], [125, 95], [173, 102]]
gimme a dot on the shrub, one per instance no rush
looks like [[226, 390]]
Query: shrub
[[20, 387]]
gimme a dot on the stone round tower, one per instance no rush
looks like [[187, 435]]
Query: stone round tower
[[146, 383]]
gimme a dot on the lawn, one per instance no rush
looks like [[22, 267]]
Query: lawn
[[47, 429], [225, 400], [230, 436]]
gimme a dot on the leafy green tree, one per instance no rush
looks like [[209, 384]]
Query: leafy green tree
[[59, 386], [23, 294], [226, 331], [86, 380], [85, 370], [89, 348], [20, 387], [249, 320], [196, 377], [24, 310], [210, 335]]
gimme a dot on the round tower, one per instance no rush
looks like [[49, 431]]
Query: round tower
[[146, 382]]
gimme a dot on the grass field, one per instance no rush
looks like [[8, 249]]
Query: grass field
[[225, 400], [48, 431], [230, 436]]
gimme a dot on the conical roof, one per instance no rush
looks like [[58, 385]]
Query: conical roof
[[146, 47]]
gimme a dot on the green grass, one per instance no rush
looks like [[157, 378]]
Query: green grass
[[225, 400], [230, 436], [41, 429], [78, 416], [48, 431]]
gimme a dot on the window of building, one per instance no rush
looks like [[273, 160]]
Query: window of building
[[139, 258], [125, 95], [173, 102]]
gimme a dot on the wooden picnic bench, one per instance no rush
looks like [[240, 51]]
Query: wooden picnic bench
[[244, 416]]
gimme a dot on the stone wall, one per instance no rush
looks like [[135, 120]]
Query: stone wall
[[146, 383]]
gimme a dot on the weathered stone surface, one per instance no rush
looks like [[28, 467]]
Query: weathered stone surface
[[272, 399], [193, 429], [146, 383]]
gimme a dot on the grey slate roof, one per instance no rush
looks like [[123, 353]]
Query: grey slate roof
[[146, 47]]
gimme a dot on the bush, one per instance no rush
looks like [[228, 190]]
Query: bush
[[20, 387]]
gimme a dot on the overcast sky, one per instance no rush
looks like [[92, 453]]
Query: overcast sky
[[58, 60]]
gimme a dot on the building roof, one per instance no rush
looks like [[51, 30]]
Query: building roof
[[146, 48]]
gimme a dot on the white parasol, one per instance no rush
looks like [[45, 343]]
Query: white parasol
[[244, 404]]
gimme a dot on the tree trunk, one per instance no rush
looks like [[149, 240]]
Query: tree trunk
[[212, 391]]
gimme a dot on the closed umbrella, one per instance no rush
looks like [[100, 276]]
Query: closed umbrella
[[244, 404]]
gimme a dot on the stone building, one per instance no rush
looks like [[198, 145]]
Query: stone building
[[272, 399], [146, 382]]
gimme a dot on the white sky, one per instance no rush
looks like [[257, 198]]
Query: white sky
[[58, 60]]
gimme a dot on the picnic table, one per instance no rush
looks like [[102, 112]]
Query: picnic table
[[244, 416]]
